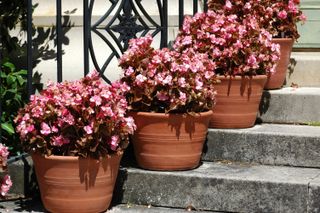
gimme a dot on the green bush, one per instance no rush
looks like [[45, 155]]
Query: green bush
[[13, 95]]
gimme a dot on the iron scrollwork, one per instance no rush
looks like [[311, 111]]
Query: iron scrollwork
[[129, 20]]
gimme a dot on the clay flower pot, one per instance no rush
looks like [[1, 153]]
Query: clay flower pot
[[169, 141], [238, 101], [276, 79], [71, 184]]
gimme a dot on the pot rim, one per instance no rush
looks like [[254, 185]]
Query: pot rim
[[162, 114], [283, 39], [72, 158], [238, 77]]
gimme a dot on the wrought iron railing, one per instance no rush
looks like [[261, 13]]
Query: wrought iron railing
[[129, 19]]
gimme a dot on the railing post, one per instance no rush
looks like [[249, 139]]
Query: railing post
[[0, 86], [205, 5], [164, 26], [195, 6], [86, 32], [29, 48], [59, 41], [181, 12]]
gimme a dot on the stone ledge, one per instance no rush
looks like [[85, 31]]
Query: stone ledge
[[273, 144], [148, 209], [290, 105], [304, 69], [22, 176], [221, 187]]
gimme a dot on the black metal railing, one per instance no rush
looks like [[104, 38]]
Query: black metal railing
[[128, 20]]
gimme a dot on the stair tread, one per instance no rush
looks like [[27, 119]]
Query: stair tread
[[290, 105], [245, 172], [278, 129], [130, 208], [296, 91], [216, 186], [272, 144]]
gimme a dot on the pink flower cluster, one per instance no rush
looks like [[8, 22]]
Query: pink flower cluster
[[167, 81], [6, 184], [79, 118], [279, 17], [5, 181], [236, 48]]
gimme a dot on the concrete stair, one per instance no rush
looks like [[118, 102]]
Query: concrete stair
[[272, 144], [291, 105], [225, 187]]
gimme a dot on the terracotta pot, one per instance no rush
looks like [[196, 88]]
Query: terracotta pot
[[276, 80], [169, 141], [72, 184], [238, 101]]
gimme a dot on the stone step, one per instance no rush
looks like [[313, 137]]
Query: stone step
[[223, 187], [129, 208], [291, 105], [304, 69], [273, 144]]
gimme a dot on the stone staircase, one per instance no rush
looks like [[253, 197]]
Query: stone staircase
[[272, 167]]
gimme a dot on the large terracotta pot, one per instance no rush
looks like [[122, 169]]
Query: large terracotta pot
[[169, 141], [276, 79], [238, 101], [71, 184]]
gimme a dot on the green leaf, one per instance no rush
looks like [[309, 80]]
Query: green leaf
[[21, 80], [11, 79], [10, 66], [21, 72], [8, 127], [3, 75]]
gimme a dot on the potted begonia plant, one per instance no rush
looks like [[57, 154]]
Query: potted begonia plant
[[279, 17], [171, 96], [242, 55], [76, 132]]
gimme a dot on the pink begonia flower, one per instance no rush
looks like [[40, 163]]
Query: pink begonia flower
[[282, 14], [140, 79], [168, 80], [30, 128], [54, 129], [129, 71], [199, 84], [292, 7], [107, 111], [96, 99], [228, 5], [209, 74], [162, 96], [6, 185], [106, 94], [59, 141], [182, 97], [70, 119], [4, 153], [114, 142], [45, 129], [88, 129], [182, 82], [252, 61], [247, 6], [187, 40], [303, 18], [131, 126]]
